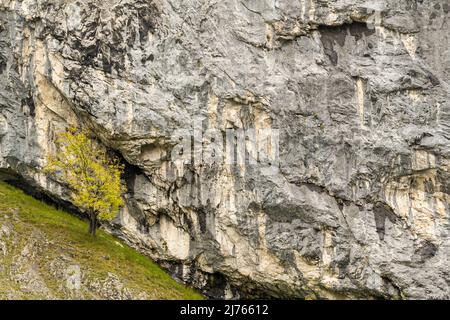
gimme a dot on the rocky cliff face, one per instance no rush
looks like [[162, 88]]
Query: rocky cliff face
[[353, 203]]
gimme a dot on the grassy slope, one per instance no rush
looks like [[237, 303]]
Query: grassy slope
[[68, 235]]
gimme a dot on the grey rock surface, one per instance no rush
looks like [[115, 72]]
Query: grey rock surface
[[358, 91]]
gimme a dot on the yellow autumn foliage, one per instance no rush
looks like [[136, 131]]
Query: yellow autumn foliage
[[90, 173]]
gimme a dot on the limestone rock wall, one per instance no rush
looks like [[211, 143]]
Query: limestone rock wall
[[357, 90]]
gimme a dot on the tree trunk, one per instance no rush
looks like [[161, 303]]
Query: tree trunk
[[92, 224]]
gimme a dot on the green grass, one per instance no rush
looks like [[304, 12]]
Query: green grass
[[100, 255]]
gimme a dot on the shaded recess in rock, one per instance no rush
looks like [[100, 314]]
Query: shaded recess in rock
[[30, 188], [336, 35], [381, 213], [424, 251], [28, 102], [2, 65]]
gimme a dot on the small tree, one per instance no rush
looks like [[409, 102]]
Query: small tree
[[92, 176]]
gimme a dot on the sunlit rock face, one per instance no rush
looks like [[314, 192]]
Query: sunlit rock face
[[356, 203]]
